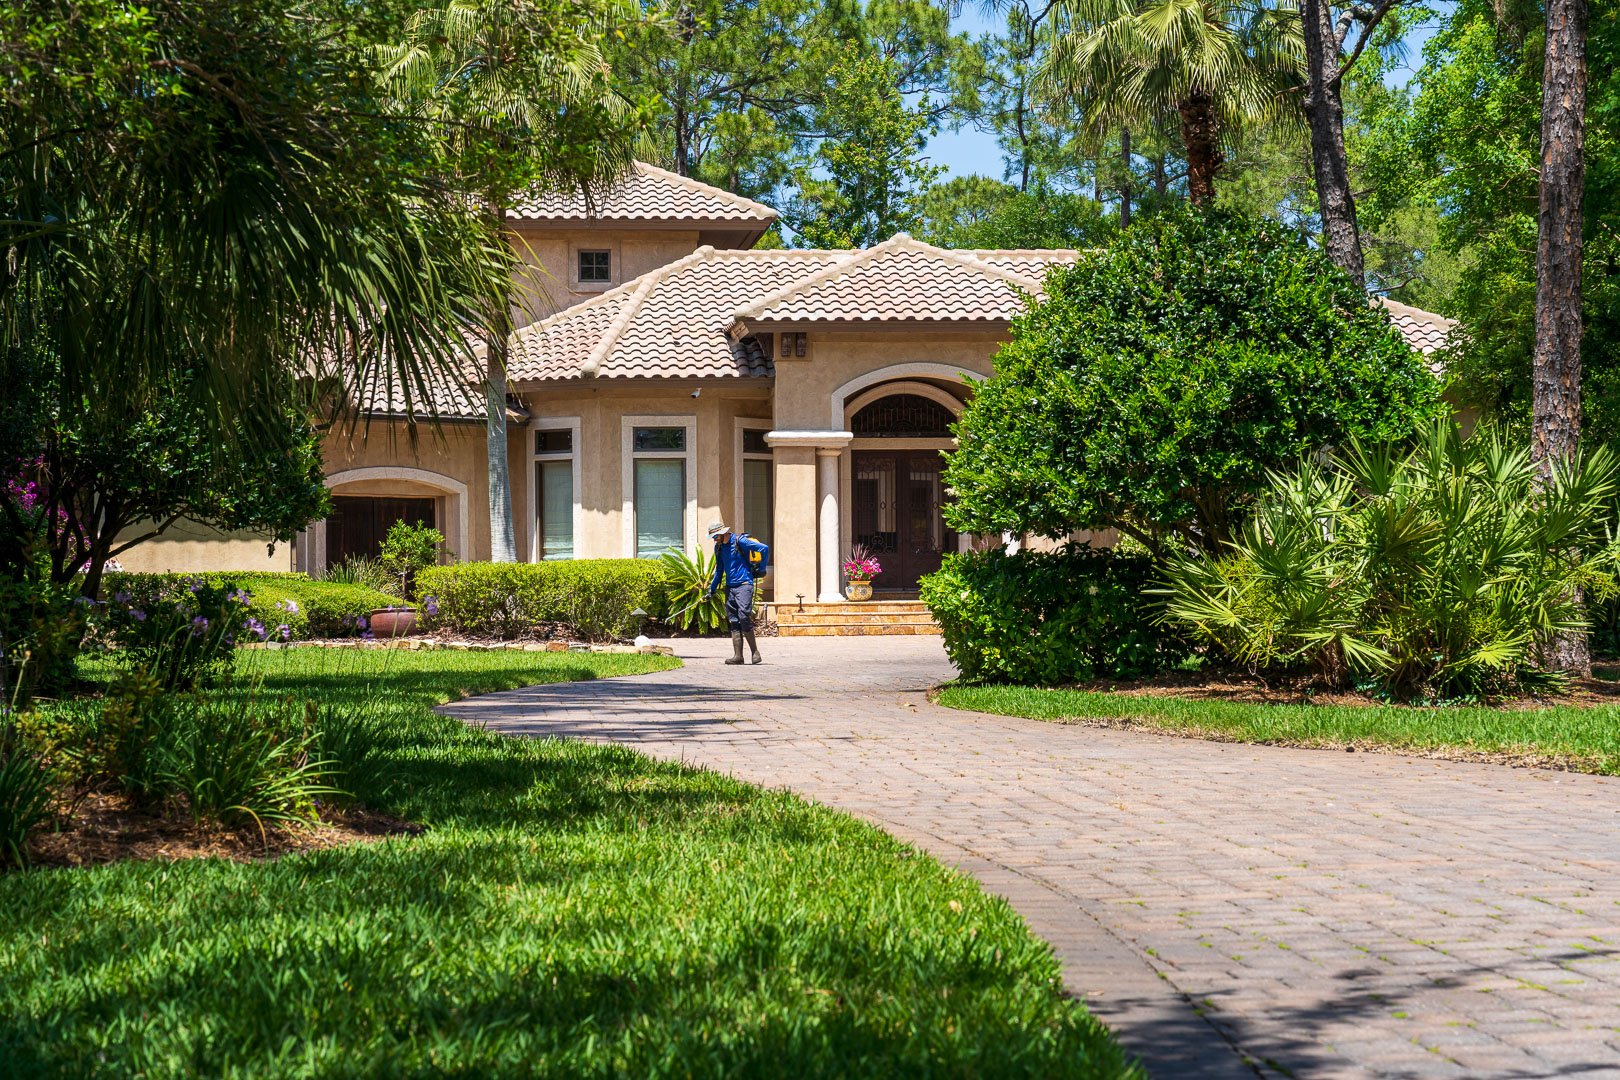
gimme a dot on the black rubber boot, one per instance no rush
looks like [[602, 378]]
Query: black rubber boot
[[736, 645], [748, 636]]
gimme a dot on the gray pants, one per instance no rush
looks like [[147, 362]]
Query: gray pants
[[740, 605]]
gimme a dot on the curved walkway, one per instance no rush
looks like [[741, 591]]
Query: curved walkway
[[1227, 909]]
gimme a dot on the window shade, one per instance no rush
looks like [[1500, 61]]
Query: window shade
[[757, 506], [660, 507], [556, 502]]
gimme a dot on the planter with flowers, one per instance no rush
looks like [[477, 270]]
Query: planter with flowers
[[859, 570]]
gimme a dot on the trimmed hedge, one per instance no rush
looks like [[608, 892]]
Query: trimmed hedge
[[1048, 619], [595, 597], [308, 608]]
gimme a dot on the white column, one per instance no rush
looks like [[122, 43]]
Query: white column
[[827, 489]]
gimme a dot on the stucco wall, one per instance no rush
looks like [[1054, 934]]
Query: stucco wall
[[601, 411], [550, 282], [805, 388], [187, 546]]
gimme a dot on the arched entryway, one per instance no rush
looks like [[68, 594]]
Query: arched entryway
[[896, 481]]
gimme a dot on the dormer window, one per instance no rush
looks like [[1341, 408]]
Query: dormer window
[[595, 267]]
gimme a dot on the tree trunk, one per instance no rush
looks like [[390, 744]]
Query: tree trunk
[[1201, 135], [502, 535], [1324, 108], [1125, 177], [1556, 367]]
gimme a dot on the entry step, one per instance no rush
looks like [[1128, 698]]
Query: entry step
[[874, 618]]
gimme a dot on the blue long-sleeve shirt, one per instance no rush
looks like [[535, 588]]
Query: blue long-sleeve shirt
[[731, 560]]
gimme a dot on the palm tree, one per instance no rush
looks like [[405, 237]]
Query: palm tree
[[521, 90], [1216, 64]]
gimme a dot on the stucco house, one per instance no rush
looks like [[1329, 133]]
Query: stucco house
[[665, 375]]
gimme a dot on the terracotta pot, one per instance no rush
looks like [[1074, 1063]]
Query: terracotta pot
[[859, 590], [392, 622]]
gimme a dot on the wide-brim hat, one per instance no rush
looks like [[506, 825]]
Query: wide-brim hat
[[718, 528]]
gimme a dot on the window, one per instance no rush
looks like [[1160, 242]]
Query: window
[[554, 468], [757, 484], [903, 416], [672, 439], [595, 267], [660, 508]]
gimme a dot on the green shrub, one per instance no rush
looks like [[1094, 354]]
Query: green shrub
[[41, 626], [1163, 376], [1438, 570], [594, 597], [1051, 618], [306, 608]]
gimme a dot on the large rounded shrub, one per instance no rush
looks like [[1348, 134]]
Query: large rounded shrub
[[1049, 618], [1161, 377]]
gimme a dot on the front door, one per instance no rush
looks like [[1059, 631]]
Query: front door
[[359, 523], [897, 510]]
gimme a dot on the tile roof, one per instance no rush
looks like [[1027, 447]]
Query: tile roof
[[648, 193], [902, 279], [671, 322], [691, 319], [441, 395], [1423, 330]]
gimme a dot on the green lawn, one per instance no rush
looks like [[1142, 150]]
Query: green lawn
[[571, 911], [1587, 739]]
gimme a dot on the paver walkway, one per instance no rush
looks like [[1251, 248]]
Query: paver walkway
[[1328, 914]]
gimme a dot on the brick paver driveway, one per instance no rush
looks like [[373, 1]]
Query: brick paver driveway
[[1316, 913]]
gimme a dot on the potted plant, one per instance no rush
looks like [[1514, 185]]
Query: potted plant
[[859, 570], [406, 550]]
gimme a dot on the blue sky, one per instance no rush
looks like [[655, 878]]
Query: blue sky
[[970, 151]]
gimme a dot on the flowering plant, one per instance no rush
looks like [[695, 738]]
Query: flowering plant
[[181, 629], [861, 565]]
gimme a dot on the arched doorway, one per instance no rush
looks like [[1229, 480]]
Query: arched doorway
[[897, 483]]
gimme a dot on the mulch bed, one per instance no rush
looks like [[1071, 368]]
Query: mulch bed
[[1242, 687], [105, 828]]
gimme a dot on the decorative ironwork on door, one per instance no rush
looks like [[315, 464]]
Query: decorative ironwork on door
[[903, 416]]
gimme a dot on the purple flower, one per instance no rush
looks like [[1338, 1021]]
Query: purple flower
[[137, 614], [290, 606], [121, 597], [430, 607], [199, 625], [285, 631], [240, 596], [361, 624], [256, 627], [368, 636], [82, 601]]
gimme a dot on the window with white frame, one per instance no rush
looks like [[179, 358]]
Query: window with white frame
[[555, 472], [758, 483], [660, 495]]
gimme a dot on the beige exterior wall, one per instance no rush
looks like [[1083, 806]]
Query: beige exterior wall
[[447, 465], [603, 529], [187, 546], [550, 281]]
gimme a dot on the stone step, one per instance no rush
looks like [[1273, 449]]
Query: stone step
[[834, 618], [874, 607], [858, 630]]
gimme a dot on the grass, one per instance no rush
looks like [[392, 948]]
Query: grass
[[571, 911], [1583, 738]]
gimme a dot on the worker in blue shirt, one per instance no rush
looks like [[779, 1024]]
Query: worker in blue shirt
[[738, 560]]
